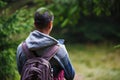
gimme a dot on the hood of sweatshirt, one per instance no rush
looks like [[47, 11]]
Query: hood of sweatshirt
[[37, 40]]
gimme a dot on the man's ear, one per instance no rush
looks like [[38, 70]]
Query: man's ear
[[50, 25]]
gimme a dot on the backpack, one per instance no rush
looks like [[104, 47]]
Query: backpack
[[38, 68]]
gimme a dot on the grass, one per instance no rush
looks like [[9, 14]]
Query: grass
[[95, 62]]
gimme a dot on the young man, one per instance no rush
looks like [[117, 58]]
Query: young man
[[40, 40]]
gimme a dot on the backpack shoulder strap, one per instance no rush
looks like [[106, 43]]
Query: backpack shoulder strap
[[27, 52], [50, 52]]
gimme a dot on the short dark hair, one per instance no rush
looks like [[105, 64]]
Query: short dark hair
[[42, 17]]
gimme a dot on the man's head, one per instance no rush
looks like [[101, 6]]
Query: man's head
[[42, 18]]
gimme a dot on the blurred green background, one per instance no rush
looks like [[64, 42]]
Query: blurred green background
[[91, 30]]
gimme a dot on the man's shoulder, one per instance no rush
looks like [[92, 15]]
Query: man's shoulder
[[19, 48]]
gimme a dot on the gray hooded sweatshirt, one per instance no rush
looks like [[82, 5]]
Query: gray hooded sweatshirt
[[38, 42]]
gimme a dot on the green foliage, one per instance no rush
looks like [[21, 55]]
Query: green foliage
[[8, 65], [7, 55], [80, 17], [117, 46], [2, 4], [65, 16], [10, 27]]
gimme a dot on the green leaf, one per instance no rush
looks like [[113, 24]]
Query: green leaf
[[73, 10], [65, 23]]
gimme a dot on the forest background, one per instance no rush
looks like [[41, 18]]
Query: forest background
[[90, 28]]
